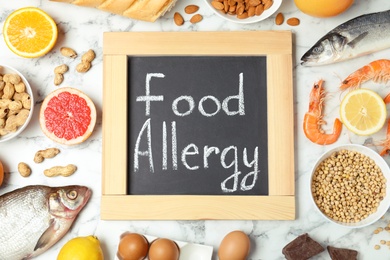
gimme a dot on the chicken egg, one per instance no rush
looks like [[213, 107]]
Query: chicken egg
[[132, 246], [163, 249], [234, 246]]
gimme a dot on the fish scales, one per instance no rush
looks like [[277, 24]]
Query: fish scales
[[359, 36], [34, 218], [22, 218]]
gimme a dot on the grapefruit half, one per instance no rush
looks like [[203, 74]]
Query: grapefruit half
[[67, 116]]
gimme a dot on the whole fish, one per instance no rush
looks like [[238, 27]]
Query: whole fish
[[34, 218], [359, 36]]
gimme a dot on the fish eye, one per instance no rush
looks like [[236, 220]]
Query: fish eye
[[72, 194], [318, 49]]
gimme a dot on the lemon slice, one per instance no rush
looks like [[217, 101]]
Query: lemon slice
[[30, 32], [363, 111]]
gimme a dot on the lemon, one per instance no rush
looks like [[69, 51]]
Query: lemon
[[363, 111], [30, 32], [81, 248]]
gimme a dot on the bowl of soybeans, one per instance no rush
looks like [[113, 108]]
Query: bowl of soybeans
[[16, 103], [350, 184]]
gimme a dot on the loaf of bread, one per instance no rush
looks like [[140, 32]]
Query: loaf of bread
[[145, 10]]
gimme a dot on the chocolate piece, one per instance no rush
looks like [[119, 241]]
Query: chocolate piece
[[342, 253], [302, 248]]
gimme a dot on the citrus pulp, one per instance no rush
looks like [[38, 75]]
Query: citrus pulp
[[363, 111], [30, 32], [67, 116]]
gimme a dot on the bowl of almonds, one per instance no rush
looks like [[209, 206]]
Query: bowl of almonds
[[16, 103], [350, 186], [244, 11]]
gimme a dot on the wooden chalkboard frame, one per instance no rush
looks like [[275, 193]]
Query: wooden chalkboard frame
[[277, 47]]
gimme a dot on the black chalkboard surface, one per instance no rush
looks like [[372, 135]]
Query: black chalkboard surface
[[197, 125]]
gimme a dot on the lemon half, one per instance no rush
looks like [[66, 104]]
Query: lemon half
[[363, 111]]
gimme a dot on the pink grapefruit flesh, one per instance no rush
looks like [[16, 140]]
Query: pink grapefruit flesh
[[67, 116]]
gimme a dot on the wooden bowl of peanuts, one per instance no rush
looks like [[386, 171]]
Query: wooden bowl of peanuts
[[16, 103], [350, 184], [244, 11]]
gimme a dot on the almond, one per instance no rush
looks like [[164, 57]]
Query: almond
[[178, 19], [279, 19], [196, 18], [217, 5], [293, 21], [190, 9]]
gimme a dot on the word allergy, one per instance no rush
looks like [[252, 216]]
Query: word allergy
[[231, 183]]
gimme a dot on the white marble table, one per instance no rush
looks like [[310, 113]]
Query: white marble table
[[82, 29]]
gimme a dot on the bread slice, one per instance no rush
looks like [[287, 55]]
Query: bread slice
[[116, 6], [89, 3], [148, 10]]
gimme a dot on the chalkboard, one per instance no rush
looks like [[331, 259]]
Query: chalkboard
[[175, 103], [197, 125]]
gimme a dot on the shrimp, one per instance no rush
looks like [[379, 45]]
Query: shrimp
[[378, 71], [313, 121], [386, 143]]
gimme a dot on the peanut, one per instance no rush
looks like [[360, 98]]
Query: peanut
[[16, 120], [12, 78], [68, 52], [8, 90], [58, 79], [89, 56], [20, 87], [60, 171], [48, 153], [24, 169], [83, 67], [61, 69], [15, 105]]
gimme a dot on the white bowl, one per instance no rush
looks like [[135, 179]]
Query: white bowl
[[5, 69], [380, 162], [254, 19]]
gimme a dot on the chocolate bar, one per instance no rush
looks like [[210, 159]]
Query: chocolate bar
[[302, 248]]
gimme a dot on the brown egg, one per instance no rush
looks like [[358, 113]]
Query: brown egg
[[132, 246], [163, 249], [234, 246]]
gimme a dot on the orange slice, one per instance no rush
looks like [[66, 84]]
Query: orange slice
[[30, 32]]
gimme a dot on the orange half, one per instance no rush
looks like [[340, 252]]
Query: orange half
[[30, 32]]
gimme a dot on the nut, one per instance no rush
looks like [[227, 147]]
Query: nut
[[61, 69], [89, 56], [83, 67], [279, 19], [196, 18], [60, 171], [190, 9], [178, 19], [48, 153], [68, 52], [293, 21], [24, 169], [58, 79], [242, 9]]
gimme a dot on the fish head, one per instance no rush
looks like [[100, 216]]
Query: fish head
[[68, 201], [327, 50]]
